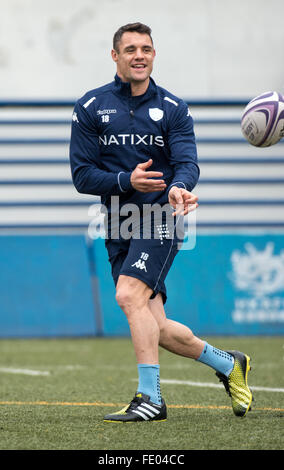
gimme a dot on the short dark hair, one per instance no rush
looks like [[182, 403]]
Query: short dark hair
[[130, 27]]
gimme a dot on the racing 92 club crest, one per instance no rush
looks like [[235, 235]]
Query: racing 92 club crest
[[156, 114], [259, 276]]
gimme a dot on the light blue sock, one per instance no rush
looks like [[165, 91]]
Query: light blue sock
[[219, 360], [149, 381]]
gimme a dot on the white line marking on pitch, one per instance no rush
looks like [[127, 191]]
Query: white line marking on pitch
[[11, 370], [210, 384], [213, 385]]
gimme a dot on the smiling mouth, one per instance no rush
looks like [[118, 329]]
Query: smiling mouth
[[138, 66]]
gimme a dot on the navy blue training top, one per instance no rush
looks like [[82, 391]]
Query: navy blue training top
[[113, 131]]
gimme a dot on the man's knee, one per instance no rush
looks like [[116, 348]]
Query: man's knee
[[131, 294], [123, 298]]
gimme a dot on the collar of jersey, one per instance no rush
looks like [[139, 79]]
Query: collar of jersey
[[123, 88]]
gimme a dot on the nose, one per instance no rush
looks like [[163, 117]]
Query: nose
[[139, 54]]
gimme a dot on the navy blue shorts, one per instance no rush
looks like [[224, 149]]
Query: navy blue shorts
[[148, 260]]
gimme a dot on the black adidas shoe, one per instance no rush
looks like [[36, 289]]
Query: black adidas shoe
[[139, 409], [236, 384]]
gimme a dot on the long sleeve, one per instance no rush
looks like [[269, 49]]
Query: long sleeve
[[87, 174], [183, 153]]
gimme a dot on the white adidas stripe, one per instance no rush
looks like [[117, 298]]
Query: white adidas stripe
[[141, 414], [150, 408], [146, 411]]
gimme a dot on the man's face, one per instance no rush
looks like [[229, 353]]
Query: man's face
[[135, 57]]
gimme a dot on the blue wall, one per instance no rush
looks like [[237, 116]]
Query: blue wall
[[228, 284], [216, 296], [45, 287]]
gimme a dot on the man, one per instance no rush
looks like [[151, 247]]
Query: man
[[135, 140]]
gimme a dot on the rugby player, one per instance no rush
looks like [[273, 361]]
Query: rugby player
[[135, 140]]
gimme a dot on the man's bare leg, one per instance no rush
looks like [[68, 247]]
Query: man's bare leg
[[179, 339], [133, 296], [174, 336]]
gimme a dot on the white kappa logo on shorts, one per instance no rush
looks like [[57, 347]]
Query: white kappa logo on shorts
[[140, 264]]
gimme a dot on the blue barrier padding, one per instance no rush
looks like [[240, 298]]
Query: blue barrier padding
[[115, 322], [45, 287], [211, 295], [226, 285]]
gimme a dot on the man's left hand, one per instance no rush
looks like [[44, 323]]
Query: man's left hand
[[182, 201]]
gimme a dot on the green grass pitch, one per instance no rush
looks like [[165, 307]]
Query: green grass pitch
[[55, 392]]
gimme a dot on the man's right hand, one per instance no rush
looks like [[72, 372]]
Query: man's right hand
[[141, 179]]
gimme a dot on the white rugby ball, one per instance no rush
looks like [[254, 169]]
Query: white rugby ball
[[262, 121]]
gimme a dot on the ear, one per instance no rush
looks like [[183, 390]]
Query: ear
[[114, 55]]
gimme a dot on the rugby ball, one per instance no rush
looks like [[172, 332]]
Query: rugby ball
[[262, 120]]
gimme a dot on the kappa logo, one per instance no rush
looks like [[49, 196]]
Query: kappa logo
[[140, 264], [156, 114], [75, 117]]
